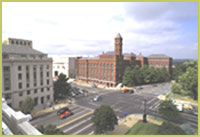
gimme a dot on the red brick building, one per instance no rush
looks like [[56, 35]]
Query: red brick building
[[108, 68]]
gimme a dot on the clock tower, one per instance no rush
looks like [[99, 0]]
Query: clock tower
[[118, 44]]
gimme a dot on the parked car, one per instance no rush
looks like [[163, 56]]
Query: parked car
[[73, 94], [81, 91], [187, 107], [131, 91], [96, 98], [29, 117], [126, 90], [64, 112], [139, 88]]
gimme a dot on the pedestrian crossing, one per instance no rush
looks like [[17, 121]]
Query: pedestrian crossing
[[80, 123]]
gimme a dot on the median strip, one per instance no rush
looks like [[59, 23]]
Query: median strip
[[74, 120]]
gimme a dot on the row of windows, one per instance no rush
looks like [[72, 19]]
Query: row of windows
[[105, 66], [21, 42], [58, 67], [20, 85], [34, 67], [35, 91], [36, 99], [6, 77]]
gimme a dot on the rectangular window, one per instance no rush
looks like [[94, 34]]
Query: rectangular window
[[41, 75], [47, 74], [27, 85], [42, 90], [35, 91], [28, 92], [48, 97], [20, 103], [42, 100], [36, 101], [48, 89], [19, 68], [34, 76], [47, 81], [47, 66], [19, 76], [20, 93], [56, 73], [7, 79], [20, 85]]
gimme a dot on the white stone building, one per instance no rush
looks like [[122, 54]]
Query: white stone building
[[64, 64], [26, 72]]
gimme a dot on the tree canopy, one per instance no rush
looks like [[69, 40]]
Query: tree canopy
[[168, 110], [61, 87], [186, 79], [27, 105], [104, 119], [144, 75], [49, 130]]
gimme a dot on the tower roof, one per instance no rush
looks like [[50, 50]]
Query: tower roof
[[118, 36]]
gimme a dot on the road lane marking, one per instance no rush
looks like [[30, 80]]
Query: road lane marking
[[76, 125], [151, 100], [91, 133], [83, 129], [155, 105], [74, 120]]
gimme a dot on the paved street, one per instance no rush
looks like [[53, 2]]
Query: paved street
[[80, 122]]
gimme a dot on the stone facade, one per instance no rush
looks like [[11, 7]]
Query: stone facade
[[108, 68], [26, 73]]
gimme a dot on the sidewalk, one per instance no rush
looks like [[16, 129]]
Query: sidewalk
[[98, 86], [48, 110], [125, 124]]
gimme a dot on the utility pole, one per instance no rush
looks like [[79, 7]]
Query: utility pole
[[145, 111]]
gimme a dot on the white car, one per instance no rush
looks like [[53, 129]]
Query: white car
[[96, 98], [29, 117]]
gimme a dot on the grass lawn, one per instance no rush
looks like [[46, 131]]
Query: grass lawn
[[144, 129], [153, 129]]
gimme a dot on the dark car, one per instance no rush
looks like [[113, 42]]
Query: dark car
[[64, 112], [131, 91]]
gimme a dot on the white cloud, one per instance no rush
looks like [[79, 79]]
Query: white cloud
[[90, 28]]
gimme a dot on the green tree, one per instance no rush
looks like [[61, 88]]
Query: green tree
[[49, 130], [189, 81], [168, 110], [127, 77], [104, 119], [62, 89], [27, 105], [136, 76], [165, 76], [176, 88]]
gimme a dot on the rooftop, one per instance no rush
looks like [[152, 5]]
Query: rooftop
[[158, 56], [118, 36], [110, 53], [18, 49], [90, 58]]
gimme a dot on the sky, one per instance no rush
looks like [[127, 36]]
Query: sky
[[90, 28]]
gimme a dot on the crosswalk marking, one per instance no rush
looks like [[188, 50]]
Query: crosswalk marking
[[82, 116], [83, 129], [155, 104], [76, 125], [151, 100], [91, 133]]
